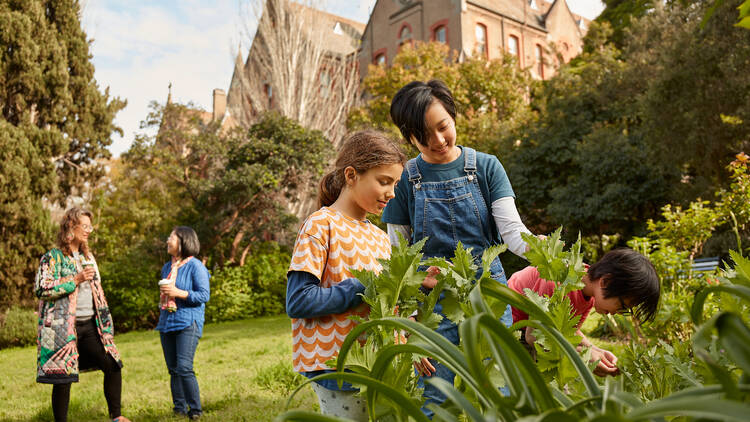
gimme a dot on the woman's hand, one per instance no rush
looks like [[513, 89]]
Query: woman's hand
[[172, 291], [86, 274], [430, 281]]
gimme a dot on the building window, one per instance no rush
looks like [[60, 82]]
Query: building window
[[440, 35], [404, 36], [325, 84], [539, 61], [532, 4], [513, 49], [379, 57], [480, 32], [269, 94]]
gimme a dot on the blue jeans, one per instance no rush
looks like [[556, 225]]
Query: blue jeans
[[179, 350]]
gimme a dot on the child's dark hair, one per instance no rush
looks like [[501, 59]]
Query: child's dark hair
[[361, 150], [630, 276], [412, 101]]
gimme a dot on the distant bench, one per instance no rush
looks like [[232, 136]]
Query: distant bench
[[705, 264]]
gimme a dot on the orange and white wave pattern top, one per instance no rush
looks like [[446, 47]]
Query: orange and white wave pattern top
[[330, 245]]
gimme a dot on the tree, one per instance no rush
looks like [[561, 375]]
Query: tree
[[650, 123], [620, 14], [54, 125], [491, 96], [230, 185], [293, 68]]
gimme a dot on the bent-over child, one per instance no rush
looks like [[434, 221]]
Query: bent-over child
[[623, 281]]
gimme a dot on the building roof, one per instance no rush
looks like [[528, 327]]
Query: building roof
[[519, 11], [342, 35]]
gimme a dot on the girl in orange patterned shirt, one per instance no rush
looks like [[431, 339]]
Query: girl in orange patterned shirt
[[333, 241]]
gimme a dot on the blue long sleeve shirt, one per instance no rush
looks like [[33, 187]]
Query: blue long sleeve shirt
[[306, 299], [192, 277]]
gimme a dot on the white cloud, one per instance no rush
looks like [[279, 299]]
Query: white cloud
[[139, 49], [589, 9]]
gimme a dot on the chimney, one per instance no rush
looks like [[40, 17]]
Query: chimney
[[220, 104]]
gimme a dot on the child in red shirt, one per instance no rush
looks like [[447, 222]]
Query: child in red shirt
[[623, 281]]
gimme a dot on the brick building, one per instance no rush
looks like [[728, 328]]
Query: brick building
[[534, 31]]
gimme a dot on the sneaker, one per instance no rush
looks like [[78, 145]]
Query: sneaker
[[121, 419], [194, 416]]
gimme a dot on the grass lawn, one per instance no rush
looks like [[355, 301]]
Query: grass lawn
[[244, 372]]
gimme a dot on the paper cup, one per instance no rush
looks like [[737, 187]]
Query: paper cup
[[164, 281]]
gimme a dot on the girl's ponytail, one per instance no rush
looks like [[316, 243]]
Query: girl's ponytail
[[330, 188]]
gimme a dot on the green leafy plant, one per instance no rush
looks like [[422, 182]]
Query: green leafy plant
[[255, 289], [18, 327]]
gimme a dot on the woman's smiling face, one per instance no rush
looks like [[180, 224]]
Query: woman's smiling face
[[441, 136]]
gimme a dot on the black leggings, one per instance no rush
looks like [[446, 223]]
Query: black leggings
[[91, 354]]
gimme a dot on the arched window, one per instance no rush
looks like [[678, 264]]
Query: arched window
[[379, 57], [404, 35], [480, 32], [513, 48], [539, 61], [440, 34]]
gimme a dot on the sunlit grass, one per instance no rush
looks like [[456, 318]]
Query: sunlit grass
[[244, 371]]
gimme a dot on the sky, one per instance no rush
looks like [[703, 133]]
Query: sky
[[140, 47]]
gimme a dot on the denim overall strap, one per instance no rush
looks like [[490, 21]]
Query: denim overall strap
[[411, 168]]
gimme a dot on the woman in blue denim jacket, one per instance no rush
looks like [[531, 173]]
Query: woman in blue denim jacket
[[448, 194], [181, 328]]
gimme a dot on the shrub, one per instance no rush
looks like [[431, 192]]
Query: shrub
[[254, 289], [130, 286], [18, 327]]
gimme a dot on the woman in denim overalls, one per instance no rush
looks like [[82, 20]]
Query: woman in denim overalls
[[448, 194]]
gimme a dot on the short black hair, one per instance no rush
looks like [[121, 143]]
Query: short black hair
[[189, 243], [412, 101], [631, 276]]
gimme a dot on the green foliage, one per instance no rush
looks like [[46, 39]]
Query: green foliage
[[54, 124], [255, 289], [627, 127], [620, 14], [678, 287], [129, 282], [280, 378], [490, 96], [476, 396], [18, 327], [230, 186]]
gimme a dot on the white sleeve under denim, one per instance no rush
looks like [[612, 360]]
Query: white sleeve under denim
[[507, 220], [509, 225], [395, 229]]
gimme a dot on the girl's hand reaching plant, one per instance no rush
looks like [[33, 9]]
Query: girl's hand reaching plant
[[430, 281]]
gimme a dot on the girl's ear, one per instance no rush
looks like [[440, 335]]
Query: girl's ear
[[350, 175]]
